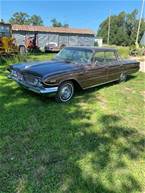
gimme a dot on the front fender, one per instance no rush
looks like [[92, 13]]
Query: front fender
[[57, 80]]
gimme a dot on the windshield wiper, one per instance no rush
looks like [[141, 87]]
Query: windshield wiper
[[62, 59], [65, 60]]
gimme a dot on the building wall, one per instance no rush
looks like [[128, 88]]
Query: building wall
[[42, 39], [61, 39], [142, 42], [20, 38], [86, 40], [99, 42], [73, 40]]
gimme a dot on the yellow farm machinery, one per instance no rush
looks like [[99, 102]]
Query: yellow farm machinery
[[7, 42]]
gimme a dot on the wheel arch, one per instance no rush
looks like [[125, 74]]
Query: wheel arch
[[75, 83]]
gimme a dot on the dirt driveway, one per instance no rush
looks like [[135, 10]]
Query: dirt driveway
[[142, 62], [142, 66]]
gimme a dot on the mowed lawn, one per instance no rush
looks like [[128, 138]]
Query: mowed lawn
[[94, 144]]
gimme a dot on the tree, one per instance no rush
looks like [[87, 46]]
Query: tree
[[123, 28], [2, 20], [20, 18], [35, 20], [56, 23], [66, 25], [131, 26]]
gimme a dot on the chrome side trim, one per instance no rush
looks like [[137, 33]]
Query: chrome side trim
[[41, 90], [100, 84]]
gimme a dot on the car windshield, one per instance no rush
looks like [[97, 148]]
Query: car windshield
[[73, 55]]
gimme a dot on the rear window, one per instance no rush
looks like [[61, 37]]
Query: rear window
[[110, 56], [99, 57], [104, 56]]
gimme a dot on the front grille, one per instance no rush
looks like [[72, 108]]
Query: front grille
[[19, 76]]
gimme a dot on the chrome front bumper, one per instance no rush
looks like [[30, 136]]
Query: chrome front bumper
[[40, 90]]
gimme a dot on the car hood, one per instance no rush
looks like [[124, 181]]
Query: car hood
[[45, 68]]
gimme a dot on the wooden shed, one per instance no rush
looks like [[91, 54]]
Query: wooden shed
[[59, 35]]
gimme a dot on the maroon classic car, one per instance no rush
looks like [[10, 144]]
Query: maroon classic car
[[73, 66]]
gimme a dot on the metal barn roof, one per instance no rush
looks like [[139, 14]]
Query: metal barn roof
[[30, 28]]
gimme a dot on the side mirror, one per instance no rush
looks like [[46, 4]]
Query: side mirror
[[98, 63]]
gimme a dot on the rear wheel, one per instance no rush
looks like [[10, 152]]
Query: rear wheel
[[123, 77], [65, 92]]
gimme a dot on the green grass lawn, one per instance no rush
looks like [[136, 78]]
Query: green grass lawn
[[94, 144]]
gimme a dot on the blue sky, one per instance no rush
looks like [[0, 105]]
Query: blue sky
[[79, 14]]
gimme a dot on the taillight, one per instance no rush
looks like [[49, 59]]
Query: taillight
[[1, 43]]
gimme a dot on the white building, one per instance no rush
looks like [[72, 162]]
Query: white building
[[142, 41], [99, 41]]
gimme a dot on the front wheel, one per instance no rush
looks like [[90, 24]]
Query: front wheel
[[65, 92]]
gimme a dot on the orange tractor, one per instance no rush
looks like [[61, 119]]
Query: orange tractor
[[7, 42]]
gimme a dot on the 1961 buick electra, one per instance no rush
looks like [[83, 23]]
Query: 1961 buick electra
[[73, 66]]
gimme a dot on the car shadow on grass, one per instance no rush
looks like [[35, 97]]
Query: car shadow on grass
[[50, 147]]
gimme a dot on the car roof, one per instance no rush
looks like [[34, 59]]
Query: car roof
[[92, 48]]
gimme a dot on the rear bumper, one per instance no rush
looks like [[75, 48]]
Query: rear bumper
[[39, 90]]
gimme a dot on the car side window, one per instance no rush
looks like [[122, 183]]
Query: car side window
[[110, 56], [99, 57]]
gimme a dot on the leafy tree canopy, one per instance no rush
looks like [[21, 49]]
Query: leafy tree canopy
[[123, 28], [56, 23], [2, 20], [35, 20], [22, 18], [19, 18]]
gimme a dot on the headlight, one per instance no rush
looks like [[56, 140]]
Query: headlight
[[36, 81], [14, 73], [19, 76]]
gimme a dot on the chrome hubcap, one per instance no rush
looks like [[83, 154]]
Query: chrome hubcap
[[66, 92]]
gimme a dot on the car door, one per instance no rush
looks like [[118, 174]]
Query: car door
[[114, 66], [96, 72]]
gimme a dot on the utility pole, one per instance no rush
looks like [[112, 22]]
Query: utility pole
[[139, 24], [109, 20]]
